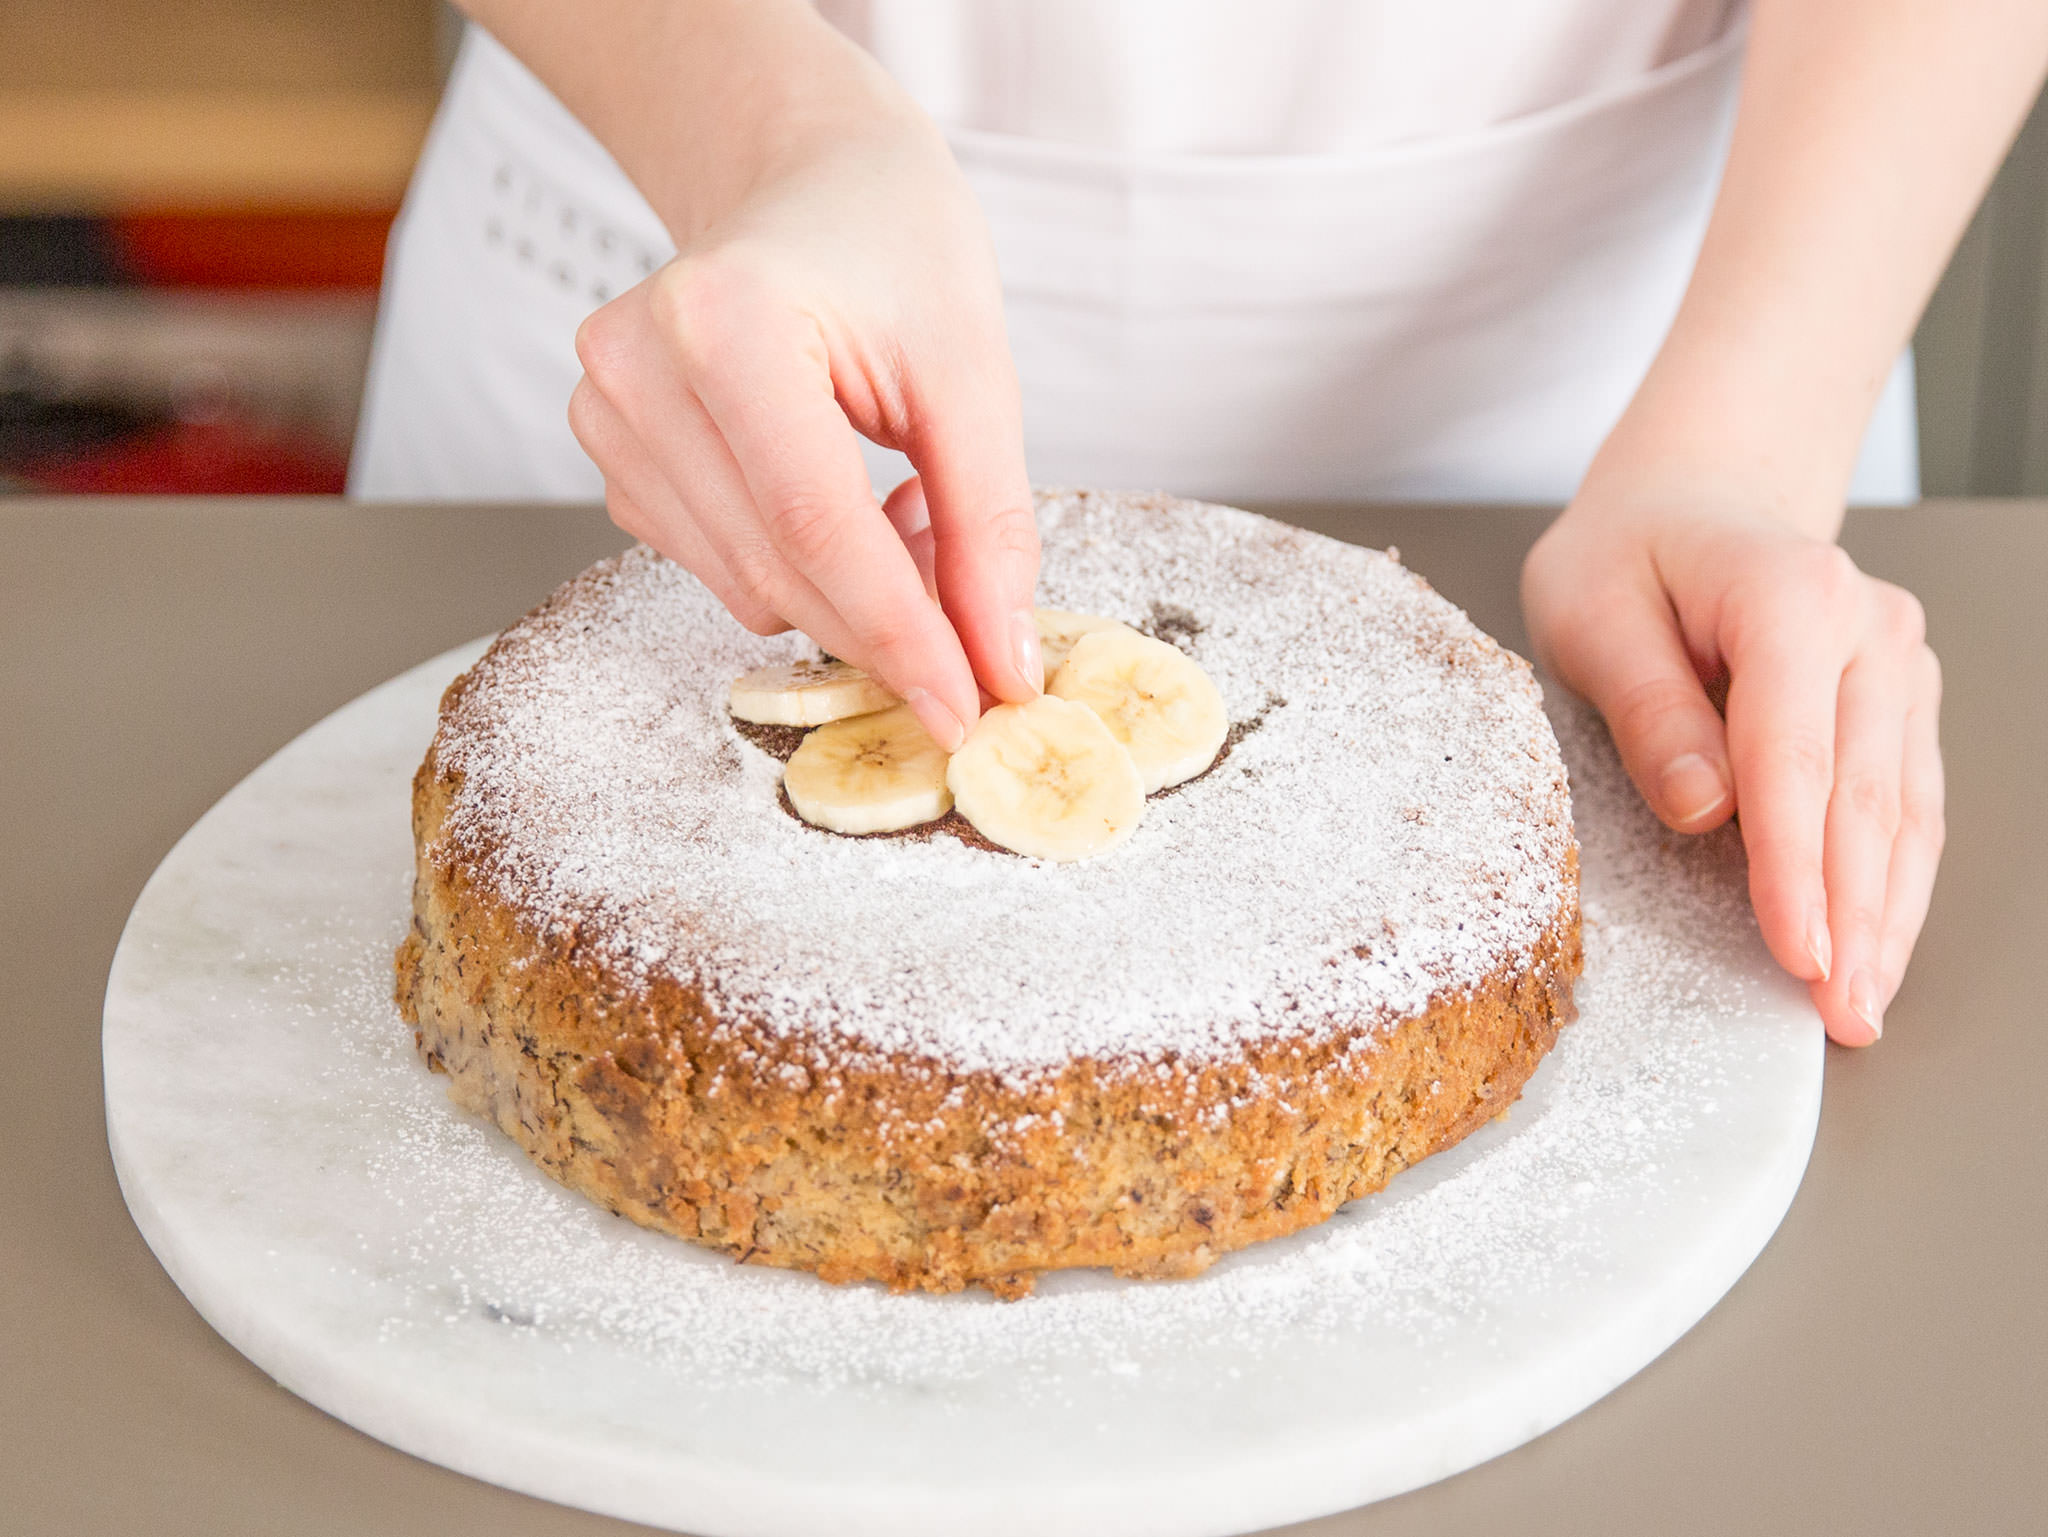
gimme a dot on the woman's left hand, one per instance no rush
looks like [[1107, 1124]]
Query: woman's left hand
[[1829, 749]]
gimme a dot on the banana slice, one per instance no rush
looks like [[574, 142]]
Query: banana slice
[[806, 694], [1156, 702], [868, 774], [1047, 779], [1058, 630]]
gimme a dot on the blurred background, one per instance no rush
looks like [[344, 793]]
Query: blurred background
[[194, 196]]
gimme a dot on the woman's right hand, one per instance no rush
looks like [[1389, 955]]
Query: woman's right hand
[[833, 276]]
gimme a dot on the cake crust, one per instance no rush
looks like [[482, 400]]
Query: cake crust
[[917, 1176], [658, 1095]]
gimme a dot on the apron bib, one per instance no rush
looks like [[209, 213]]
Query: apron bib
[[1460, 318]]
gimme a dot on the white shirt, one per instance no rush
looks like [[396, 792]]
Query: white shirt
[[1250, 249], [1279, 77]]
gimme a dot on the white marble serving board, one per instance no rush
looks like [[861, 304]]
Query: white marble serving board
[[309, 1186]]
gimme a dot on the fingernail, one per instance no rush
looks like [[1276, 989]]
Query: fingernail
[[1690, 781], [1863, 1000], [1819, 945], [939, 722], [1024, 638]]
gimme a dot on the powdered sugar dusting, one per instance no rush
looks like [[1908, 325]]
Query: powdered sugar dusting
[[1396, 825]]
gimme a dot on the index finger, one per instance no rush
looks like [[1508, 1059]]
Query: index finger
[[764, 376], [968, 448], [1787, 649]]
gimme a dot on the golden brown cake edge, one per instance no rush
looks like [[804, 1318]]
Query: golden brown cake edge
[[899, 1169]]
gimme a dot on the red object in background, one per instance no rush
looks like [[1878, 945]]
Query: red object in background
[[254, 249], [221, 251], [216, 458]]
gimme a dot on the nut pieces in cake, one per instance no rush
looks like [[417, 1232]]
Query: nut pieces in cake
[[1063, 777]]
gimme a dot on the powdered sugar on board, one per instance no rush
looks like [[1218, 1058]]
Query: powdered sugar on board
[[308, 1184], [1392, 822]]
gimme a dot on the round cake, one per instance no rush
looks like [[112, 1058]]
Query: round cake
[[923, 1060]]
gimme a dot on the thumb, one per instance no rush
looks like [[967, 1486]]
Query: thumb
[[1624, 652], [969, 454]]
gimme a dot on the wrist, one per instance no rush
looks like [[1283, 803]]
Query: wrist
[[1724, 442], [703, 101], [785, 90], [1749, 407]]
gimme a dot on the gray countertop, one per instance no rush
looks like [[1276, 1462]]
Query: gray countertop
[[1882, 1368]]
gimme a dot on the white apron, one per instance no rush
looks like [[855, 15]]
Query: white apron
[[1324, 289]]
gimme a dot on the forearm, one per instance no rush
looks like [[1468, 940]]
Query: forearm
[[698, 100], [834, 280], [1866, 134]]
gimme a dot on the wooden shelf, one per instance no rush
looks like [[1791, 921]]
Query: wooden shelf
[[108, 150]]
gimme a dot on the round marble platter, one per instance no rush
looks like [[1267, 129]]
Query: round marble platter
[[309, 1186]]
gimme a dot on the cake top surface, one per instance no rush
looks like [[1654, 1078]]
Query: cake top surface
[[1390, 822]]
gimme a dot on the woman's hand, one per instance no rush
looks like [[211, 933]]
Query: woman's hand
[[834, 276], [1698, 554], [1829, 750]]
